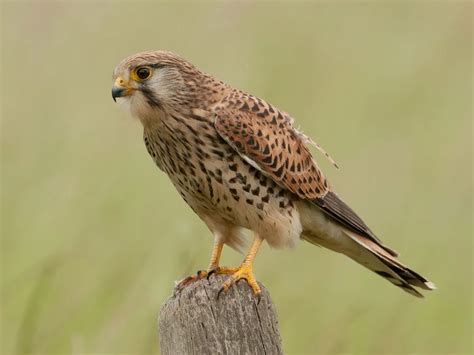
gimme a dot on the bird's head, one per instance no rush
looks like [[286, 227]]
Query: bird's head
[[153, 81]]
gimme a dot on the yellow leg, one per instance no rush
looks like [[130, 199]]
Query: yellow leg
[[213, 265], [215, 255], [244, 271]]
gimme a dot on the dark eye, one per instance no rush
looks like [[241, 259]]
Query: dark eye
[[143, 73]]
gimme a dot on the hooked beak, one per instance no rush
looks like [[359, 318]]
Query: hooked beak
[[121, 88]]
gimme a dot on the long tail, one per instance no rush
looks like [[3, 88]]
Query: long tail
[[321, 230], [375, 258], [384, 264]]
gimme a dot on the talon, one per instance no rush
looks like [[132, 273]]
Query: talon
[[244, 272], [200, 274], [221, 270], [212, 271]]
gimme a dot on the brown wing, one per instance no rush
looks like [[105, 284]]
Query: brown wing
[[265, 138]]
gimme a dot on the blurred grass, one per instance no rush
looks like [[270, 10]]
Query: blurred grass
[[93, 236]]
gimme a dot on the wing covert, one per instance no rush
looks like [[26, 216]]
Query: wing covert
[[265, 138]]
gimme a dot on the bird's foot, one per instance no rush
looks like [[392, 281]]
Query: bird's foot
[[200, 274], [244, 272], [220, 270]]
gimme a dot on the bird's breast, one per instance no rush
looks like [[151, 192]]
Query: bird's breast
[[214, 180]]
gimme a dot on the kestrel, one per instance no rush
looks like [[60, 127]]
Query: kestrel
[[239, 163]]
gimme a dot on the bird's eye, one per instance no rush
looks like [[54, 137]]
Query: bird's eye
[[142, 73]]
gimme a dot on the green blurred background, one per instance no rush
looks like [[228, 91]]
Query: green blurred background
[[93, 235]]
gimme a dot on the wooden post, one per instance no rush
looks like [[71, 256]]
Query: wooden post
[[195, 321]]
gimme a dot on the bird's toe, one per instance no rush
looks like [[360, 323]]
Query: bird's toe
[[221, 270], [200, 274], [242, 273]]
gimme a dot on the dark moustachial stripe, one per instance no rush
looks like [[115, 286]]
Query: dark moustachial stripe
[[150, 97]]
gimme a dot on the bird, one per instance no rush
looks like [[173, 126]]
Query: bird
[[241, 165]]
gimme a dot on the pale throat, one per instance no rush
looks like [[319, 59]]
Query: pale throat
[[139, 108]]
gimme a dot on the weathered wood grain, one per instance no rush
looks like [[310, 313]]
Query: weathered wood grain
[[195, 321]]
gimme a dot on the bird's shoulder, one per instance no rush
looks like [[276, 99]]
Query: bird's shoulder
[[246, 106]]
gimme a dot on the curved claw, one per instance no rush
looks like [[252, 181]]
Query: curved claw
[[200, 274], [212, 271], [244, 272], [221, 270]]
